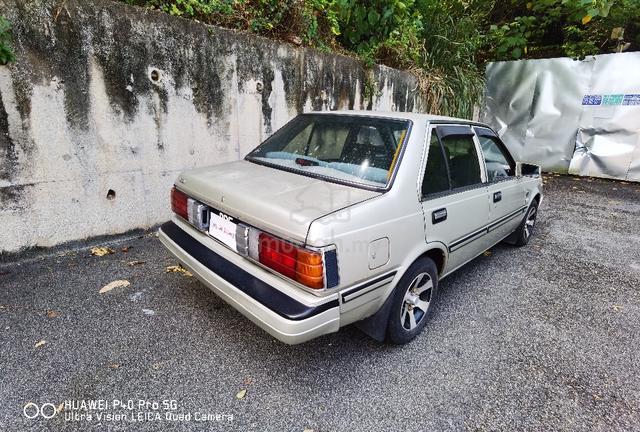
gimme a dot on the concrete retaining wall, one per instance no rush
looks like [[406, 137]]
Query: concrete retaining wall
[[107, 103]]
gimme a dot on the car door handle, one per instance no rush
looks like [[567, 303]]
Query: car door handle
[[439, 215], [497, 196]]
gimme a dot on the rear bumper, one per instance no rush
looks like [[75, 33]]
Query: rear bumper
[[284, 317]]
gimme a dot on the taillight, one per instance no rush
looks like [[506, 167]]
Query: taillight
[[310, 269], [179, 203], [302, 265]]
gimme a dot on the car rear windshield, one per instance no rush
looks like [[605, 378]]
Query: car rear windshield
[[350, 149]]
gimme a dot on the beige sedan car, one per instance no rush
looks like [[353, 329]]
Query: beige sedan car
[[345, 217]]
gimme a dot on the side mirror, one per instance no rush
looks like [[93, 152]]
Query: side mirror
[[525, 169]]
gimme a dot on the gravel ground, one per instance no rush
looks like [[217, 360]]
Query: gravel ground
[[538, 338]]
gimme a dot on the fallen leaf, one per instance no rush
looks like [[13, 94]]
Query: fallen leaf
[[52, 314], [126, 249], [241, 394], [586, 19], [308, 430], [487, 253], [101, 251], [247, 380], [40, 343], [136, 263], [59, 408], [156, 366], [178, 269], [115, 284], [114, 365], [617, 308]]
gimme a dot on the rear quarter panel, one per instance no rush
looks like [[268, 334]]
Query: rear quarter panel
[[395, 215]]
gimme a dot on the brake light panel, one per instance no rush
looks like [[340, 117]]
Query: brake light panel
[[188, 208], [313, 268], [179, 203], [300, 264]]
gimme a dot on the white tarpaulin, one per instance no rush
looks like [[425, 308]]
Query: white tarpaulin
[[581, 117]]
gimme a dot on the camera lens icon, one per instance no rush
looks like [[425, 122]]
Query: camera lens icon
[[32, 410]]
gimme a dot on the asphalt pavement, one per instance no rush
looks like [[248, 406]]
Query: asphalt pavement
[[544, 337]]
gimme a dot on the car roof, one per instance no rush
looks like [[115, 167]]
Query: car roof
[[402, 115]]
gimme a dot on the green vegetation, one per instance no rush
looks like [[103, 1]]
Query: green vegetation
[[573, 28], [6, 52], [445, 43]]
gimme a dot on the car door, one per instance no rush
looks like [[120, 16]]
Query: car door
[[455, 199], [506, 191]]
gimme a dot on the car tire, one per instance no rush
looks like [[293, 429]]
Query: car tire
[[526, 229], [413, 301]]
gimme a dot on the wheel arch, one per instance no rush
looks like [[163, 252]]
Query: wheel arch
[[376, 325], [438, 255], [436, 251], [537, 197]]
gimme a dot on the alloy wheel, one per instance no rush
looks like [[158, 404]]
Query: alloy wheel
[[416, 301], [530, 222]]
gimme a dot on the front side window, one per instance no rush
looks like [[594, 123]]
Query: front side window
[[499, 164], [355, 149]]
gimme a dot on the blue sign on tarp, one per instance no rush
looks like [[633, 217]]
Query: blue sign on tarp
[[631, 99], [612, 99], [592, 100]]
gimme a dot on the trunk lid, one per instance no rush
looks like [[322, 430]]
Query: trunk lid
[[273, 200]]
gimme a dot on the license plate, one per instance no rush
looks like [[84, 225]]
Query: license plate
[[222, 228]]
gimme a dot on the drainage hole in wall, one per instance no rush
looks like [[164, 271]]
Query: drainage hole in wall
[[155, 75], [111, 194]]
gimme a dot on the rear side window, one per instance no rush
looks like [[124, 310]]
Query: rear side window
[[462, 158], [436, 177], [452, 163]]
